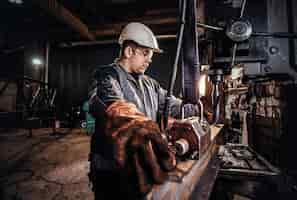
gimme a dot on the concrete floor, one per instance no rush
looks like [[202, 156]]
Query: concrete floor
[[45, 166], [51, 167]]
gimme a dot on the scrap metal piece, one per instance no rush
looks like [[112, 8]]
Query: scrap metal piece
[[238, 159]]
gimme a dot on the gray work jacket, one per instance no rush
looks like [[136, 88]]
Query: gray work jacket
[[114, 83]]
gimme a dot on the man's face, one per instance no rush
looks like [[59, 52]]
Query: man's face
[[140, 59]]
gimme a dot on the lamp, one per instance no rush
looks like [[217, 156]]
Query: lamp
[[36, 61], [16, 1]]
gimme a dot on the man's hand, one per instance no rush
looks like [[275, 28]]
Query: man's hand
[[138, 146]]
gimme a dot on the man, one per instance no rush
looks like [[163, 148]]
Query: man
[[128, 152]]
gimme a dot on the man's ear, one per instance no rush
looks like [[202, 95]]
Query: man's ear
[[128, 52]]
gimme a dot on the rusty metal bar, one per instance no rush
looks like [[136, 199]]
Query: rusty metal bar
[[64, 15], [111, 41]]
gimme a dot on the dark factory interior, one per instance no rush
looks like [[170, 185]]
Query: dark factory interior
[[235, 60]]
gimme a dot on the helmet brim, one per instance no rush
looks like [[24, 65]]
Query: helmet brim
[[158, 51]]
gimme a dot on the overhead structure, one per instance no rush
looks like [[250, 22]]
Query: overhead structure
[[65, 16], [187, 54]]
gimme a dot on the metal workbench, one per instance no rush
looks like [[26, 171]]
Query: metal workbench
[[192, 179]]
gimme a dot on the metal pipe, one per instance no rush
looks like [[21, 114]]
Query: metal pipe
[[180, 39], [201, 111], [182, 87], [53, 97], [47, 49], [173, 75], [216, 103], [234, 49], [101, 42], [216, 28], [275, 34], [35, 95], [242, 8]]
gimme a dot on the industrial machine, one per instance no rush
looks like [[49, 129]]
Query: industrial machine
[[190, 136], [237, 31]]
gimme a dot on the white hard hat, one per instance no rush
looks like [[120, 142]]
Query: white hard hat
[[140, 34]]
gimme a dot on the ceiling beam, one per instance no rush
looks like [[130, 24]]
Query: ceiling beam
[[64, 15], [115, 28], [160, 20]]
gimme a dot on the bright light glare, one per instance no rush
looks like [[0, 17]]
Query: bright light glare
[[202, 85], [36, 61]]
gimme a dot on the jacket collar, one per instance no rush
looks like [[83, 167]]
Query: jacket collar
[[127, 74]]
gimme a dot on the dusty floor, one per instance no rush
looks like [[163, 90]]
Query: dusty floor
[[45, 166], [51, 167]]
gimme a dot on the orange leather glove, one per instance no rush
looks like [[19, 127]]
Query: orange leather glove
[[138, 146]]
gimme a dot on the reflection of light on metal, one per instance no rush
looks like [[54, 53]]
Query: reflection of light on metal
[[36, 61], [201, 111], [202, 81], [237, 72], [202, 85]]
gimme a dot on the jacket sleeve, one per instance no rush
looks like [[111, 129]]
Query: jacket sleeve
[[176, 103], [105, 90]]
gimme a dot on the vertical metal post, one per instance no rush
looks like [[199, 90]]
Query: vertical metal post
[[47, 49], [166, 113]]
